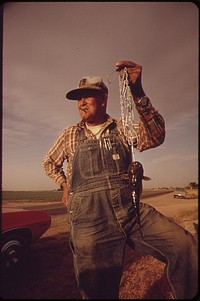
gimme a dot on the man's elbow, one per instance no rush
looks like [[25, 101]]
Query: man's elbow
[[160, 139]]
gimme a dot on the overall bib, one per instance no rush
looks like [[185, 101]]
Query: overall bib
[[94, 210], [102, 220]]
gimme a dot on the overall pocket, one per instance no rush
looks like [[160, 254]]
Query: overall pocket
[[73, 207]]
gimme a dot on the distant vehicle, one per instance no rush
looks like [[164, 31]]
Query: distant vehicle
[[180, 193], [19, 228]]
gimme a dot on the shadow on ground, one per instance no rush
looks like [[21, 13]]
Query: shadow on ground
[[48, 274]]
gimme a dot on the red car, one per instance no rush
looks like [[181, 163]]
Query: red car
[[19, 228]]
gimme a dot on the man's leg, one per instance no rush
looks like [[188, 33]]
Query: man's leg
[[172, 244], [98, 246]]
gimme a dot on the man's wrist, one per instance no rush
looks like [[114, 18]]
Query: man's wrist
[[144, 106], [143, 102], [64, 185]]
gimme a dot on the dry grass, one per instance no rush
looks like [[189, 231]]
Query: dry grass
[[184, 216], [49, 274]]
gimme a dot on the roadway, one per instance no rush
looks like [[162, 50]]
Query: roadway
[[165, 203], [169, 206]]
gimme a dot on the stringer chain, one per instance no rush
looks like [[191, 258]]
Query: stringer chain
[[127, 115], [127, 112]]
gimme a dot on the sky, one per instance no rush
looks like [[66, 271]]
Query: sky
[[49, 46]]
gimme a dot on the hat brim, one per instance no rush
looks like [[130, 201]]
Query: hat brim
[[81, 92]]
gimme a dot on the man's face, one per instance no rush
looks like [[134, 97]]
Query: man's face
[[92, 108]]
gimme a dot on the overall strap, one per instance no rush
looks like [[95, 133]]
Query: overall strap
[[113, 128], [80, 135]]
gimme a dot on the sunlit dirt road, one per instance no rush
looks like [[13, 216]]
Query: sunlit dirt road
[[165, 203], [169, 206]]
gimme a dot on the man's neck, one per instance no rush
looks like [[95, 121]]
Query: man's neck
[[97, 122]]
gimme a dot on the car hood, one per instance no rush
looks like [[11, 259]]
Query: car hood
[[7, 209]]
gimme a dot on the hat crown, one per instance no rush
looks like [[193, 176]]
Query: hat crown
[[92, 82]]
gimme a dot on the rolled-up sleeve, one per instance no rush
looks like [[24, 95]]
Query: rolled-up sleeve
[[53, 161], [151, 126], [151, 129]]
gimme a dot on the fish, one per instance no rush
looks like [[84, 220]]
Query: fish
[[135, 176]]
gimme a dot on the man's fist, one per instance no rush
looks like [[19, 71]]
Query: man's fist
[[123, 64], [134, 75]]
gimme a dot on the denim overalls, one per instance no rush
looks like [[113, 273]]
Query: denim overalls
[[102, 221]]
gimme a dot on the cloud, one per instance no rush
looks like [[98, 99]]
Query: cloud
[[174, 158], [46, 53], [184, 119]]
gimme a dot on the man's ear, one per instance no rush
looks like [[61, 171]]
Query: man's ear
[[104, 102]]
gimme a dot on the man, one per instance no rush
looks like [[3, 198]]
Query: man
[[101, 213]]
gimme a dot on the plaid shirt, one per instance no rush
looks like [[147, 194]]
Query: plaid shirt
[[150, 133]]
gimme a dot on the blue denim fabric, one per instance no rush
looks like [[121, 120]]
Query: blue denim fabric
[[102, 221]]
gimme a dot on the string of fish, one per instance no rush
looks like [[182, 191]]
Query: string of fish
[[135, 169]]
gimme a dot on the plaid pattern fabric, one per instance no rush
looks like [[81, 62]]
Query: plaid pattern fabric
[[150, 133]]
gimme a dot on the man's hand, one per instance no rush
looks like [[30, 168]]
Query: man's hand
[[135, 74], [65, 195]]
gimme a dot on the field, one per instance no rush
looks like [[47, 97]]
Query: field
[[43, 195], [55, 195], [48, 272]]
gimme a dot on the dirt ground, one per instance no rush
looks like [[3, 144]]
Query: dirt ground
[[48, 272]]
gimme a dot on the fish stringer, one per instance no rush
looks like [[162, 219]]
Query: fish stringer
[[135, 169]]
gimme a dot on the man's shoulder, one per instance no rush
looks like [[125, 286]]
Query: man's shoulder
[[73, 127], [69, 130]]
